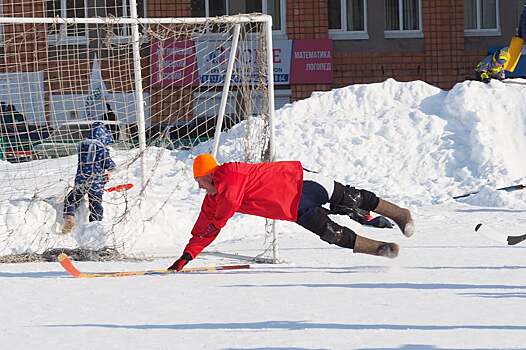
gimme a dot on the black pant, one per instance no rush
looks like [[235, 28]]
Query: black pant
[[312, 215]]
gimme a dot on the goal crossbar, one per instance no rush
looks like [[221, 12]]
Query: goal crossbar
[[243, 18]]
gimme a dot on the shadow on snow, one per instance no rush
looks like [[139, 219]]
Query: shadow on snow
[[293, 325]]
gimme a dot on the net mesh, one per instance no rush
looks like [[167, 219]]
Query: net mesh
[[61, 78]]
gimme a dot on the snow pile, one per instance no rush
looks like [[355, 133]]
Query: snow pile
[[409, 142]]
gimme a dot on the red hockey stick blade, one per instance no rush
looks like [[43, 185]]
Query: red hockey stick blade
[[119, 188], [70, 268]]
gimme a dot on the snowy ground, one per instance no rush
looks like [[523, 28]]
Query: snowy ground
[[450, 288]]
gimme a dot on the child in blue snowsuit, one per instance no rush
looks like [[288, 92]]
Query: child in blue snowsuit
[[94, 164]]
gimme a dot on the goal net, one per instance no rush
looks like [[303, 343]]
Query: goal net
[[164, 89]]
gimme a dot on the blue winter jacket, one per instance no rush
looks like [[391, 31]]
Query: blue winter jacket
[[488, 69], [93, 155]]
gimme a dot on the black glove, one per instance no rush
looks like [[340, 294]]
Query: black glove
[[358, 215], [380, 222], [181, 262]]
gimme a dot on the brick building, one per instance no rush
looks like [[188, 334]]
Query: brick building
[[437, 41]]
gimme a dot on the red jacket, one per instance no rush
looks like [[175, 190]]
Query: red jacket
[[271, 190]]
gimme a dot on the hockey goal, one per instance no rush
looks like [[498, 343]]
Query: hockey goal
[[166, 88]]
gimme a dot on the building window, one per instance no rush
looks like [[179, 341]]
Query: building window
[[74, 33], [66, 9], [121, 8], [212, 8], [481, 17], [347, 19], [403, 18]]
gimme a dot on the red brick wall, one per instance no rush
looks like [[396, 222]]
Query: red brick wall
[[169, 105], [24, 44], [307, 19], [367, 68], [169, 8], [443, 26], [23, 8]]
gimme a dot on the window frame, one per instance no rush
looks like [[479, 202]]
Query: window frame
[[345, 34], [282, 10], [276, 33], [64, 39], [485, 32], [405, 33], [125, 39]]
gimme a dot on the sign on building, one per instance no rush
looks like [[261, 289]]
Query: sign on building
[[204, 62]]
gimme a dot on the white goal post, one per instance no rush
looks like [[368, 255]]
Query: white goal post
[[166, 88]]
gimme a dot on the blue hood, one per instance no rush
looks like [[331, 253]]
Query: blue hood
[[101, 133]]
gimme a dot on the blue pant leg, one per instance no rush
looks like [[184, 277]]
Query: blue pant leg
[[313, 195], [522, 24], [95, 201], [72, 201], [310, 211]]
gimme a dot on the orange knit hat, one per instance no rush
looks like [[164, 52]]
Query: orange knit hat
[[204, 164]]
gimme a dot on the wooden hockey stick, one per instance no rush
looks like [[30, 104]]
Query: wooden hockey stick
[[67, 264]]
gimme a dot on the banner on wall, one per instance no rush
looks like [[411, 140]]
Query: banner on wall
[[95, 102], [311, 62], [281, 53], [174, 63], [295, 62], [212, 65]]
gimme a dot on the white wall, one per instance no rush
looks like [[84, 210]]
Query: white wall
[[70, 107], [26, 92]]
